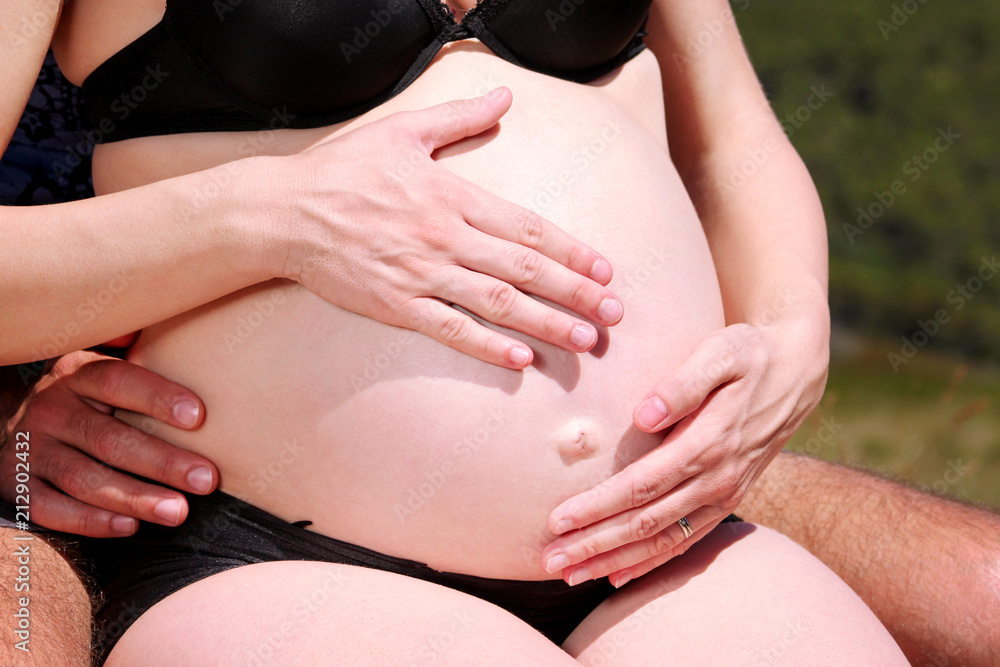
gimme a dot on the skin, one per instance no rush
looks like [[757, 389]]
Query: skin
[[170, 346], [207, 247], [932, 627], [675, 412], [928, 567], [58, 604], [736, 400]]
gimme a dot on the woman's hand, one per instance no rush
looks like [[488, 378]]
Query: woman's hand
[[71, 433], [402, 240], [733, 404]]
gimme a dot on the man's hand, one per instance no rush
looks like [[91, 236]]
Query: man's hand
[[72, 436]]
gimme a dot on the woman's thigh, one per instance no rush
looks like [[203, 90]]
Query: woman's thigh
[[744, 595], [309, 613]]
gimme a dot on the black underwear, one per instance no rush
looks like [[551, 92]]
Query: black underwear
[[223, 532]]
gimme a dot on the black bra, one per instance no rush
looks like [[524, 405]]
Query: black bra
[[214, 65]]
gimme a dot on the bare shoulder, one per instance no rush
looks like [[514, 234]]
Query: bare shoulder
[[26, 30]]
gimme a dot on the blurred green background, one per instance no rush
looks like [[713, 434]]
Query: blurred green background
[[905, 152]]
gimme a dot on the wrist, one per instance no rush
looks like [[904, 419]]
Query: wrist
[[280, 207], [254, 210]]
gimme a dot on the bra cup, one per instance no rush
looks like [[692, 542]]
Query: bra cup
[[309, 56], [243, 65], [565, 36]]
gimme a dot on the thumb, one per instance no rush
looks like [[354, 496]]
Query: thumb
[[453, 121], [710, 365]]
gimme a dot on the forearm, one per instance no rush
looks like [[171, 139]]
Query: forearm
[[928, 567], [758, 205], [77, 274]]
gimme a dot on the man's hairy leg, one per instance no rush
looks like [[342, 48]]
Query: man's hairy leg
[[928, 567], [57, 601], [59, 609]]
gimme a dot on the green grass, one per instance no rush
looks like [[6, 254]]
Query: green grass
[[933, 424]]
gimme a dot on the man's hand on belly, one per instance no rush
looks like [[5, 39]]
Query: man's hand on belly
[[66, 432]]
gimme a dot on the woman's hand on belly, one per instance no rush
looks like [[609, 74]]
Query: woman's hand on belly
[[399, 238], [733, 406]]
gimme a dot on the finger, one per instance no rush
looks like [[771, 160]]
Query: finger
[[653, 520], [644, 480], [455, 120], [712, 364], [531, 271], [621, 577], [92, 483], [508, 221], [463, 333], [57, 511], [121, 446], [502, 304], [125, 385], [667, 544]]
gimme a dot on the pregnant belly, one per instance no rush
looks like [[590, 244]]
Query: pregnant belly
[[386, 439]]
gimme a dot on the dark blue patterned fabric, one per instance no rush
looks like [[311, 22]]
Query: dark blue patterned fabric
[[48, 160]]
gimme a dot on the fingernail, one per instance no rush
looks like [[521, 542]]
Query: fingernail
[[562, 526], [186, 413], [652, 412], [495, 93], [169, 510], [519, 356], [123, 525], [556, 563], [622, 580], [200, 479], [582, 336], [580, 575], [600, 271], [610, 311]]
